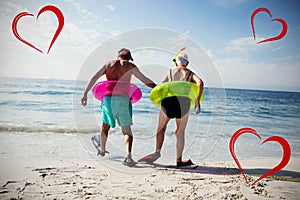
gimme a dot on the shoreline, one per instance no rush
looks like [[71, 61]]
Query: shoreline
[[42, 178]]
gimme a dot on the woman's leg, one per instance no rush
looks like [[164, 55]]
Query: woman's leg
[[163, 121], [180, 136]]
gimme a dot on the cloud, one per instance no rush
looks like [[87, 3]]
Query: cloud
[[80, 8], [277, 49], [73, 35], [110, 7], [180, 40], [238, 72], [10, 6], [208, 52], [242, 44]]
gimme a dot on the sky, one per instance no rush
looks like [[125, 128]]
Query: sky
[[221, 28]]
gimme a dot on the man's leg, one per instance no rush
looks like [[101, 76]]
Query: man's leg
[[128, 143], [180, 136], [163, 121], [126, 130], [103, 137]]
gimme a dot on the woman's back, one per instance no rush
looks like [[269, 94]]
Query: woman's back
[[180, 74]]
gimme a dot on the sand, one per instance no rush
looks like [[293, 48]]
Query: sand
[[42, 178], [56, 166]]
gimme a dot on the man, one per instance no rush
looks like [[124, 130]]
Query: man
[[176, 107], [116, 107]]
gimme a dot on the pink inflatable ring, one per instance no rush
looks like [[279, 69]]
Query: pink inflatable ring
[[117, 88]]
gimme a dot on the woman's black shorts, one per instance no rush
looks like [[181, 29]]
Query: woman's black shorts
[[176, 106]]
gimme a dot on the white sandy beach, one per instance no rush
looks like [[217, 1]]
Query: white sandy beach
[[89, 179], [56, 166]]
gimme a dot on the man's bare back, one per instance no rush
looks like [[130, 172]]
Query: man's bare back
[[119, 70]]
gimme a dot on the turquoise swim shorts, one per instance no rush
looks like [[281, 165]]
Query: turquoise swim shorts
[[116, 108]]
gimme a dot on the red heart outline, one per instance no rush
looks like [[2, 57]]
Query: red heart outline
[[283, 23], [284, 144], [51, 8]]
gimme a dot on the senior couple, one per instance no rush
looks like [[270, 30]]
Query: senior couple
[[120, 108]]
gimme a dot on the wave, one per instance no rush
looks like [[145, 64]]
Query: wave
[[46, 92], [138, 133], [45, 129]]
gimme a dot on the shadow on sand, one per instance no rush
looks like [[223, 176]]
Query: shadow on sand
[[284, 175]]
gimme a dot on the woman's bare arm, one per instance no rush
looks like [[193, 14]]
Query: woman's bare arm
[[200, 84]]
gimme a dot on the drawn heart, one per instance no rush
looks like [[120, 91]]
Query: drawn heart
[[51, 8], [284, 144], [283, 23]]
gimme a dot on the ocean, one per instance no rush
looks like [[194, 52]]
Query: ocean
[[44, 118]]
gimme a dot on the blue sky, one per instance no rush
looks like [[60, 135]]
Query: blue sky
[[221, 27]]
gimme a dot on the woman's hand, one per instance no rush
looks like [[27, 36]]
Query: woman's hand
[[198, 107]]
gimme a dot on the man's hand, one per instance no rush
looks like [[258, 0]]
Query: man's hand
[[84, 100]]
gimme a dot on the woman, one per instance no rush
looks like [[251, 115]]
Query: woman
[[176, 107]]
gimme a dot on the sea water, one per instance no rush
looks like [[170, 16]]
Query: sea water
[[44, 117]]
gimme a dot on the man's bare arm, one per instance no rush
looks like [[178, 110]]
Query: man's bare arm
[[139, 75], [91, 83]]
